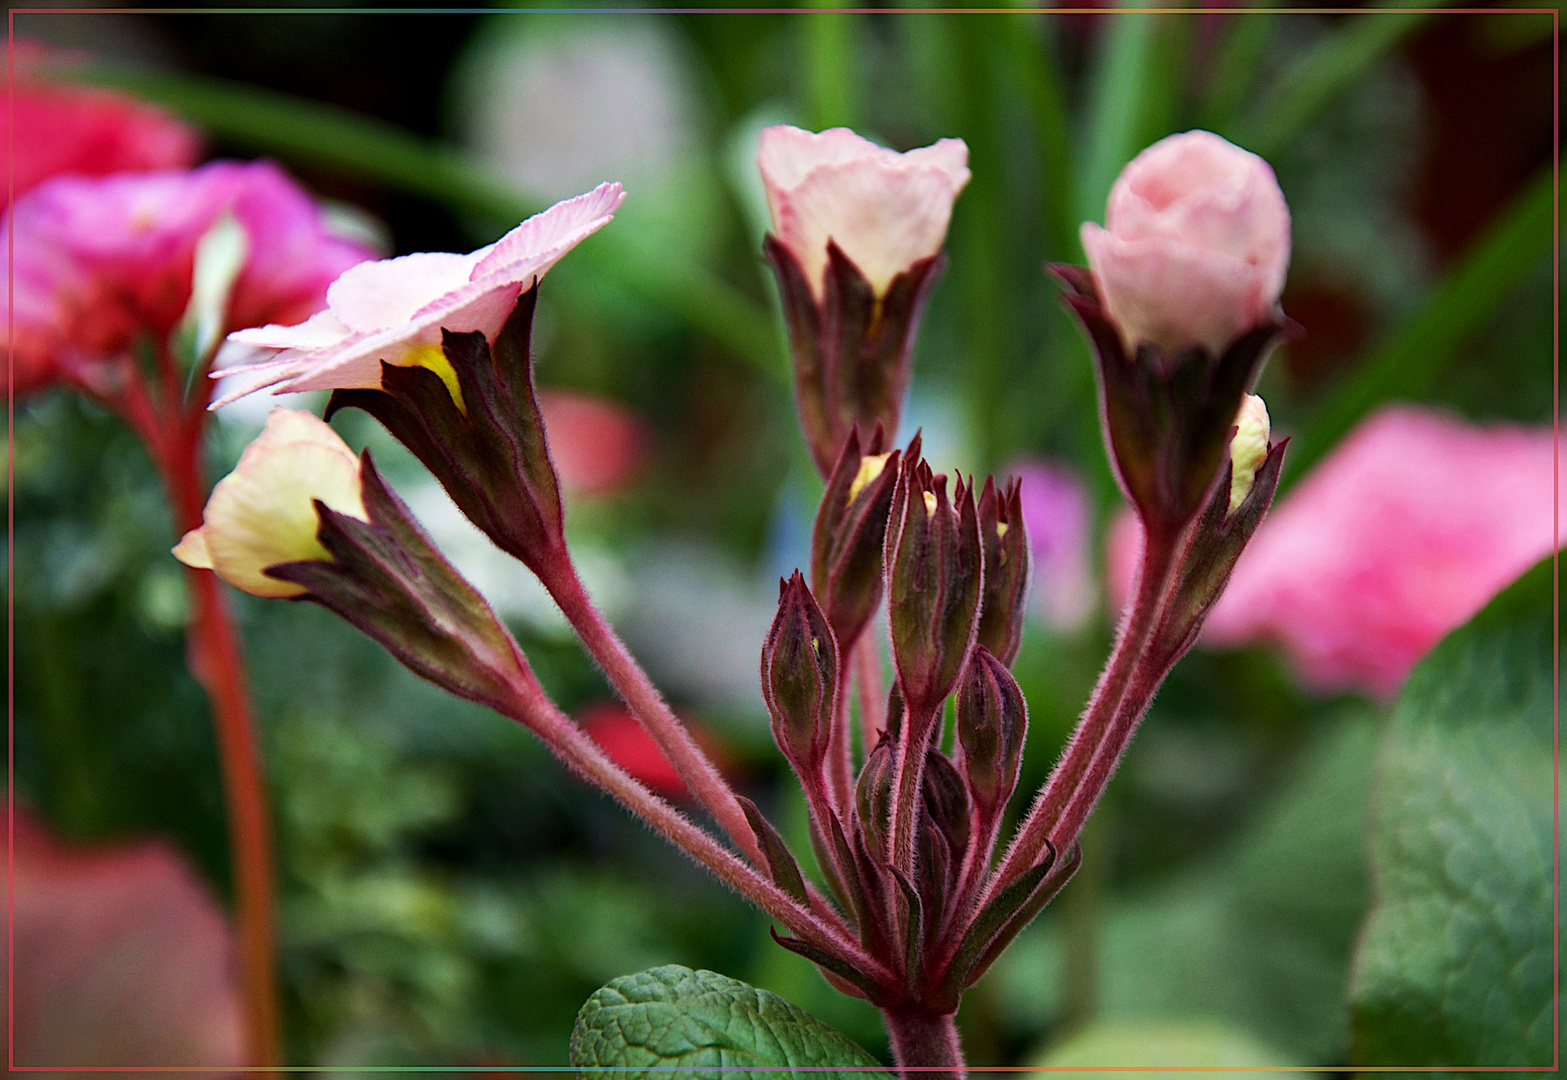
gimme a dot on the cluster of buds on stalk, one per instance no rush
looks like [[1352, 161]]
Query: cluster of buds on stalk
[[1181, 303]]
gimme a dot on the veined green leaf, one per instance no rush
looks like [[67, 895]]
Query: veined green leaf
[[700, 1023], [1455, 966]]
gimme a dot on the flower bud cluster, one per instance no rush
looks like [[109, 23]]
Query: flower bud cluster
[[1181, 304]]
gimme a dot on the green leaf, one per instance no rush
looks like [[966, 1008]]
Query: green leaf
[[700, 1023], [1185, 1045], [1455, 965]]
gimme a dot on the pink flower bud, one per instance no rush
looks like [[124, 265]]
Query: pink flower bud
[[1195, 246], [885, 210]]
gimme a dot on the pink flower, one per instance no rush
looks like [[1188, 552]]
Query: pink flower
[[885, 210], [1403, 533], [1196, 244], [1056, 514], [60, 128], [394, 310], [596, 445], [101, 263]]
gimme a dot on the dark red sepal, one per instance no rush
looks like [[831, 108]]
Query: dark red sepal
[[1167, 417], [851, 350], [390, 581], [490, 454], [847, 542], [1005, 540]]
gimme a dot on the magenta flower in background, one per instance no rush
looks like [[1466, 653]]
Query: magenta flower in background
[[60, 128], [1195, 246], [1403, 533], [885, 210], [102, 262], [394, 310], [1057, 516]]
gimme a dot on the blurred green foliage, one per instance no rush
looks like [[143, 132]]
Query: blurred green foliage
[[451, 896]]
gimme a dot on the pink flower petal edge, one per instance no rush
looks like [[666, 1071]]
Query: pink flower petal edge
[[884, 209], [389, 310]]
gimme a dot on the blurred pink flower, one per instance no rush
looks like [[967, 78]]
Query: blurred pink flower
[[1404, 532], [101, 263], [394, 310], [122, 958], [1195, 246], [884, 210], [597, 445], [60, 128], [1057, 516]]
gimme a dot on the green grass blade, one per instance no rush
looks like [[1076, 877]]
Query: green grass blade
[[1115, 109], [338, 140], [1236, 67], [1315, 80], [1406, 365], [831, 45]]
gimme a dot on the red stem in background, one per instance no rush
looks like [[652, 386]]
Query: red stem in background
[[217, 663], [868, 668]]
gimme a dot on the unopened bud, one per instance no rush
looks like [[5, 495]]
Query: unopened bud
[[934, 583], [992, 722], [263, 513], [946, 801], [1005, 542], [1248, 447], [800, 675], [873, 799], [851, 529]]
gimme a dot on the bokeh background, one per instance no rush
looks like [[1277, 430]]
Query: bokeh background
[[448, 894]]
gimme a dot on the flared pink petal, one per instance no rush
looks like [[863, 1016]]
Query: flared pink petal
[[377, 295], [533, 247]]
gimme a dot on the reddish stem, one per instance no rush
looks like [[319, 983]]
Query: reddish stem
[[908, 772], [924, 1044], [701, 776], [216, 661], [533, 709], [840, 743], [1094, 728]]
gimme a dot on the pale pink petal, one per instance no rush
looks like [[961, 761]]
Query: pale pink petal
[[786, 154], [882, 216], [538, 243], [320, 330], [377, 295]]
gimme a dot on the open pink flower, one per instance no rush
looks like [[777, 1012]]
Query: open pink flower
[[61, 128], [1402, 534], [1195, 246], [101, 263], [394, 310], [884, 210]]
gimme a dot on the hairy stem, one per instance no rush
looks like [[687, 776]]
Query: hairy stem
[[648, 706], [924, 1044], [217, 663], [840, 745], [908, 771], [530, 707], [1094, 728]]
